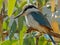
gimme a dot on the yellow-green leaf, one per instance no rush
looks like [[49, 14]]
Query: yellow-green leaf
[[22, 32], [7, 42], [43, 2], [4, 25], [11, 5], [1, 2], [23, 3]]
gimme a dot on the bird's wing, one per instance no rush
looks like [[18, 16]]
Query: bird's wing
[[41, 19]]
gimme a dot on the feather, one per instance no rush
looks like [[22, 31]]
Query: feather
[[41, 19]]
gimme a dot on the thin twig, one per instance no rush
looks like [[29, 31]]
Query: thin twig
[[37, 40]]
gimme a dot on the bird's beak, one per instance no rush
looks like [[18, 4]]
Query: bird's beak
[[20, 14]]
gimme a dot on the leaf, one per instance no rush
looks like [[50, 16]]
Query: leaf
[[42, 41], [22, 32], [1, 2], [4, 25], [29, 41], [20, 23], [22, 28], [43, 2], [22, 4], [31, 1], [12, 29], [49, 43], [7, 42], [19, 7], [11, 5]]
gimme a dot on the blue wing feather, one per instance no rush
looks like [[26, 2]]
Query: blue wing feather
[[41, 19]]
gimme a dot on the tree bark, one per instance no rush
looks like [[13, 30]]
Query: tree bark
[[1, 28], [1, 21]]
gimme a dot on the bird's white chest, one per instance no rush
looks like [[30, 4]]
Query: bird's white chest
[[33, 23]]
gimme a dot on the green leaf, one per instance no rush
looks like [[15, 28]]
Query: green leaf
[[22, 29], [31, 1], [1, 2], [20, 23], [13, 29], [22, 4], [43, 2], [29, 41], [11, 5], [42, 41], [4, 25], [22, 32], [49, 43], [7, 42], [19, 7]]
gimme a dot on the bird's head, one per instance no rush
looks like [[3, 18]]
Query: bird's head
[[27, 9]]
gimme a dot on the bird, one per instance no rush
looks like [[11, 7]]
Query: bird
[[35, 19]]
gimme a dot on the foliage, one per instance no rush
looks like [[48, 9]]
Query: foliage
[[13, 8], [1, 2], [14, 42], [43, 2], [12, 29], [11, 5]]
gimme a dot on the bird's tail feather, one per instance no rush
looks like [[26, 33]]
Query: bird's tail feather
[[51, 39], [54, 34], [50, 34]]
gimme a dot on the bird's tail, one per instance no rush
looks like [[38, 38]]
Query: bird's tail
[[50, 34], [52, 39], [54, 34]]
